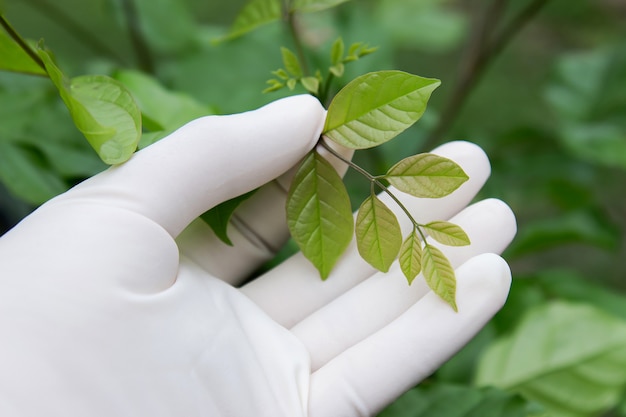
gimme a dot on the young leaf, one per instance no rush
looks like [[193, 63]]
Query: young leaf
[[426, 175], [311, 84], [358, 50], [290, 60], [254, 14], [274, 85], [411, 256], [439, 274], [336, 51], [219, 216], [376, 107], [353, 51], [102, 109], [337, 69], [308, 6], [318, 213], [281, 73], [378, 234], [447, 233]]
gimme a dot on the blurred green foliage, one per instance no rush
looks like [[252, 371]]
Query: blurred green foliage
[[550, 110]]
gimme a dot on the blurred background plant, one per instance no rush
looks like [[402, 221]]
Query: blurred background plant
[[539, 84]]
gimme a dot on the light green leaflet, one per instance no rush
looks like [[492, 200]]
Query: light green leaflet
[[102, 109], [426, 175], [376, 107], [319, 214], [439, 274], [411, 256], [378, 234], [290, 60], [447, 233]]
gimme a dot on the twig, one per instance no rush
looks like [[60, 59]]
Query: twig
[[481, 53], [293, 30]]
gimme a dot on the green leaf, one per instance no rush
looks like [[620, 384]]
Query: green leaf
[[318, 213], [411, 256], [274, 85], [26, 175], [439, 274], [161, 109], [354, 48], [358, 50], [291, 83], [311, 84], [426, 175], [281, 73], [378, 234], [338, 69], [376, 107], [290, 60], [15, 59], [569, 356], [308, 6], [447, 233], [336, 51], [448, 400], [219, 216], [254, 14], [102, 109]]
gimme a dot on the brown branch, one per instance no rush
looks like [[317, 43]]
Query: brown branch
[[481, 51]]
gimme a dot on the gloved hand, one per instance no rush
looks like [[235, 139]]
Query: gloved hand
[[110, 305]]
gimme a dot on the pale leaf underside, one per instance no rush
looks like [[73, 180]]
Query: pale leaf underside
[[410, 257], [439, 274], [427, 176], [319, 215], [378, 234], [447, 233]]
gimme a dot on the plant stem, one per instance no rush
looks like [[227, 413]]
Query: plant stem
[[480, 54], [376, 181], [290, 19], [140, 45], [327, 82], [298, 43], [21, 42]]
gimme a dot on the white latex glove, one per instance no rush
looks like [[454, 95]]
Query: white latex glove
[[106, 309]]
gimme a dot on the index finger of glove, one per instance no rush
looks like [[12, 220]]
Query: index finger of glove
[[207, 161]]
